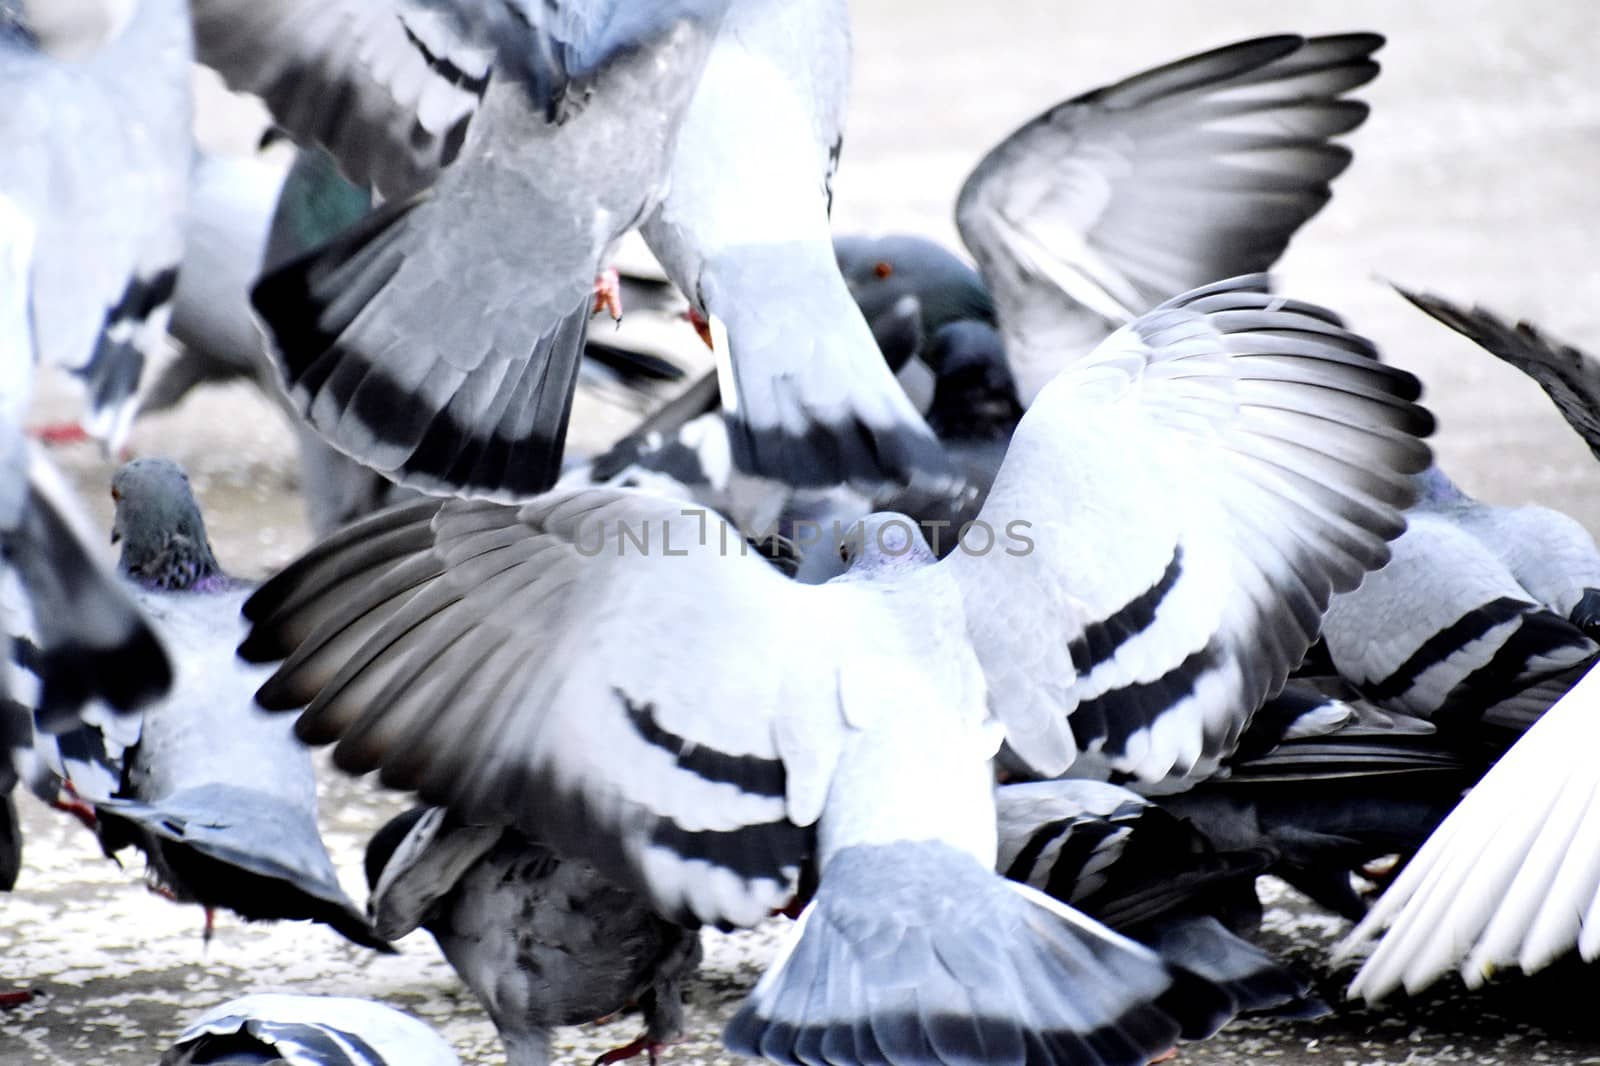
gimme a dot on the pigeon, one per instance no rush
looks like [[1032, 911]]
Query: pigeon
[[1568, 376], [448, 369], [105, 253], [743, 233], [219, 796], [1122, 859], [1468, 625], [1162, 554], [1200, 169], [1509, 879], [225, 234], [884, 272], [541, 940], [1027, 198], [265, 1028], [1322, 787]]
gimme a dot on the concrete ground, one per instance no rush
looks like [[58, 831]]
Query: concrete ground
[[1475, 178]]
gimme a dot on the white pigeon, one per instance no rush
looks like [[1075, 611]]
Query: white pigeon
[[99, 165], [616, 676]]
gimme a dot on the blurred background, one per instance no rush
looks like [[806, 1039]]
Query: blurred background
[[1475, 178]]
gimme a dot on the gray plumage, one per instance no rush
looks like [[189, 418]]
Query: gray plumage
[[267, 1028], [1118, 199], [219, 795], [1471, 620], [98, 162], [1122, 859], [541, 940], [438, 340], [743, 232], [1321, 786], [1172, 549], [1568, 375]]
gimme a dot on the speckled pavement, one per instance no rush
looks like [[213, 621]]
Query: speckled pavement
[[1476, 177]]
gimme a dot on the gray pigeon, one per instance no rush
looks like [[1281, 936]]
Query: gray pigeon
[[743, 232], [541, 941], [1120, 858], [438, 341], [1321, 787], [1200, 169], [267, 1028], [1474, 622], [884, 272], [102, 180], [219, 796], [697, 725]]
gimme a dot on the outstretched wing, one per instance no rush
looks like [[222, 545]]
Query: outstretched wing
[[386, 87], [607, 670], [1510, 878], [1124, 197], [1571, 378], [1181, 505]]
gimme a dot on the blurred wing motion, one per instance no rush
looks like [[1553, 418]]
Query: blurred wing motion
[[1512, 876], [91, 640], [97, 165], [1124, 197], [384, 85], [438, 340]]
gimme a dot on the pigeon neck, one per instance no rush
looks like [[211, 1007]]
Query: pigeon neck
[[180, 563]]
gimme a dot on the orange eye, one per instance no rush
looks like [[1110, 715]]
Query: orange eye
[[883, 269]]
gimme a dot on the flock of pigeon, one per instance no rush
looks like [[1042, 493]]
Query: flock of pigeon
[[1003, 625]]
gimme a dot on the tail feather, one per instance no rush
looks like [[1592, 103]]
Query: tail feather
[[1256, 981], [436, 405], [914, 953]]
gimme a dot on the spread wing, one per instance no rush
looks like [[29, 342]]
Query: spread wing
[[548, 665], [1131, 194], [1182, 505]]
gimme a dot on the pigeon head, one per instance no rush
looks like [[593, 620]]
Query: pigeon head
[[382, 846], [159, 526], [975, 396], [883, 543], [880, 271]]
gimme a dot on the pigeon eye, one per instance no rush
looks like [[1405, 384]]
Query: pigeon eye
[[883, 269], [844, 553]]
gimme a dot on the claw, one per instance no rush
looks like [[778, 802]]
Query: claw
[[68, 800], [60, 433], [608, 293], [643, 1045], [702, 326]]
